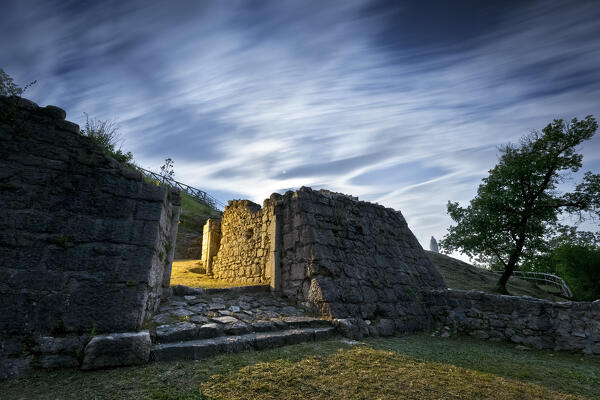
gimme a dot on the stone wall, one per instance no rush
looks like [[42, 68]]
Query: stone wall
[[211, 239], [85, 244], [347, 258], [244, 244], [573, 326]]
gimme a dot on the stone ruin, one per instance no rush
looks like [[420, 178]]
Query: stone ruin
[[86, 247], [85, 244], [329, 252]]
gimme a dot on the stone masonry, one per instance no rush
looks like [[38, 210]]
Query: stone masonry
[[542, 324], [332, 254], [85, 244], [244, 244]]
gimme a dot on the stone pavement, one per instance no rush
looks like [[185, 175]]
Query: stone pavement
[[209, 322]]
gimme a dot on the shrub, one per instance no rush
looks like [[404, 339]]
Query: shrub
[[106, 134]]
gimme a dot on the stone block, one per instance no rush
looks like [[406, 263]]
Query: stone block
[[14, 367], [59, 361], [117, 350], [385, 327], [178, 331]]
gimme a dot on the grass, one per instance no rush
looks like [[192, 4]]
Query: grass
[[461, 275], [410, 367], [187, 272]]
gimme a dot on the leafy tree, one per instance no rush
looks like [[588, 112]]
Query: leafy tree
[[575, 257], [9, 88], [106, 134], [517, 207]]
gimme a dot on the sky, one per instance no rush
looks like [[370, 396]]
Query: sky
[[402, 103]]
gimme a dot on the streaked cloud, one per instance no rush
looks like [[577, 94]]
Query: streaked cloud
[[360, 97]]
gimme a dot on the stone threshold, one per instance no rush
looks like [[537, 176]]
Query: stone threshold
[[181, 290], [204, 348]]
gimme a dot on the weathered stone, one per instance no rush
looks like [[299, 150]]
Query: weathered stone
[[236, 328], [225, 320], [59, 361], [209, 330], [263, 326], [181, 313], [198, 319], [197, 308], [179, 331], [385, 327], [14, 367], [54, 345], [55, 112], [162, 318], [74, 253], [520, 319], [181, 290], [349, 328], [216, 306], [117, 350]]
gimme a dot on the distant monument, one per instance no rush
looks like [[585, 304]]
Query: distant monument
[[433, 245]]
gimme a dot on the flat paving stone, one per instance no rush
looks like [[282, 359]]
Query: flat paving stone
[[225, 320], [243, 317], [263, 326], [216, 306], [198, 319], [162, 318], [181, 313], [179, 331], [236, 328], [198, 308]]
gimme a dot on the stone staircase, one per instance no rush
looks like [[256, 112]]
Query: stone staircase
[[197, 326]]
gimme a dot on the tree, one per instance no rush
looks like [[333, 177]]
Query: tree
[[106, 134], [517, 207], [574, 256]]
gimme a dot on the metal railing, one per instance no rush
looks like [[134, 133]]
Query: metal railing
[[546, 279], [196, 193]]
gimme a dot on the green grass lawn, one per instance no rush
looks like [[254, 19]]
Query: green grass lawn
[[410, 367]]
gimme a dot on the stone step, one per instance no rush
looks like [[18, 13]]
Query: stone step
[[230, 326], [203, 348]]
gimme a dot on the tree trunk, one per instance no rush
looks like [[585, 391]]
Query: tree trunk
[[509, 267], [501, 285]]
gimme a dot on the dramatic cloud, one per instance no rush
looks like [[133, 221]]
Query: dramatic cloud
[[398, 103]]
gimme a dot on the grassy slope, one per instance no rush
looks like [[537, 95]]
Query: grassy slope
[[194, 214], [460, 275], [411, 367], [193, 217]]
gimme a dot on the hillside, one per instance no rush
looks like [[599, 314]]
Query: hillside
[[461, 275], [189, 235]]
